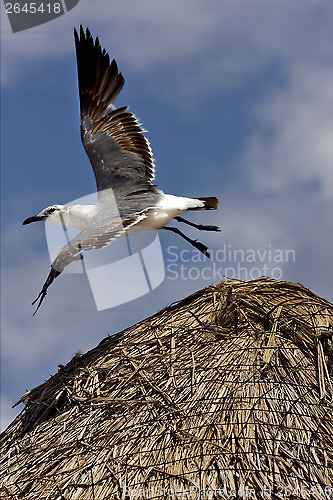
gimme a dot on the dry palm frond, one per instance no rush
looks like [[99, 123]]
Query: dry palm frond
[[226, 393]]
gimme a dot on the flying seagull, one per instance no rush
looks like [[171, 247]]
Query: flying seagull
[[123, 164]]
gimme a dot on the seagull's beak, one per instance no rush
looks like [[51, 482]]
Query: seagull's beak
[[35, 218]]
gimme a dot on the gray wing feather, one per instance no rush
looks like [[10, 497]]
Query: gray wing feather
[[90, 238], [97, 235]]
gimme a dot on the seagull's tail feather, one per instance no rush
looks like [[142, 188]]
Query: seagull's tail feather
[[51, 277], [210, 203]]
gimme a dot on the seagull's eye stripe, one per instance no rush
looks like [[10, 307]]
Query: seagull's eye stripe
[[51, 210]]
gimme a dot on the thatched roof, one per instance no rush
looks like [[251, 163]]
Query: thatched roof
[[228, 390]]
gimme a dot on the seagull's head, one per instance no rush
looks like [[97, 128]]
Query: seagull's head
[[50, 214]]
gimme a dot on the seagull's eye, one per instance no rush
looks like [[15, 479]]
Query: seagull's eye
[[51, 210]]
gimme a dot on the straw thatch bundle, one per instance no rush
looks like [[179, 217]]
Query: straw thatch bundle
[[226, 394]]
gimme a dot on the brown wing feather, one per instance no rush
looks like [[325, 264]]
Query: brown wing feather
[[125, 129]]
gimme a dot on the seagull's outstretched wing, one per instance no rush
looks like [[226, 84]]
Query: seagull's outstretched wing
[[119, 153], [97, 235]]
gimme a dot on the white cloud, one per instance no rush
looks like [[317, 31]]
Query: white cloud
[[212, 45], [291, 145]]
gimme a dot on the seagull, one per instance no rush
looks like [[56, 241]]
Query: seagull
[[124, 168]]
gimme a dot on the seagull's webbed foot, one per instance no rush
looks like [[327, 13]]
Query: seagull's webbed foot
[[201, 227], [200, 246]]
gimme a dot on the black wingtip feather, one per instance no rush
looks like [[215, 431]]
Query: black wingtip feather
[[99, 80], [42, 294]]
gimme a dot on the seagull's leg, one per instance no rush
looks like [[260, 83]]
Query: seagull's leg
[[198, 226], [195, 243]]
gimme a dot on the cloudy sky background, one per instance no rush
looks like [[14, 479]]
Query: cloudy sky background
[[237, 98]]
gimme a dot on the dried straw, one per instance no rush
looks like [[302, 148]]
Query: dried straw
[[226, 394]]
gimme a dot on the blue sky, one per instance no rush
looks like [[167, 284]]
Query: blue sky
[[237, 98]]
